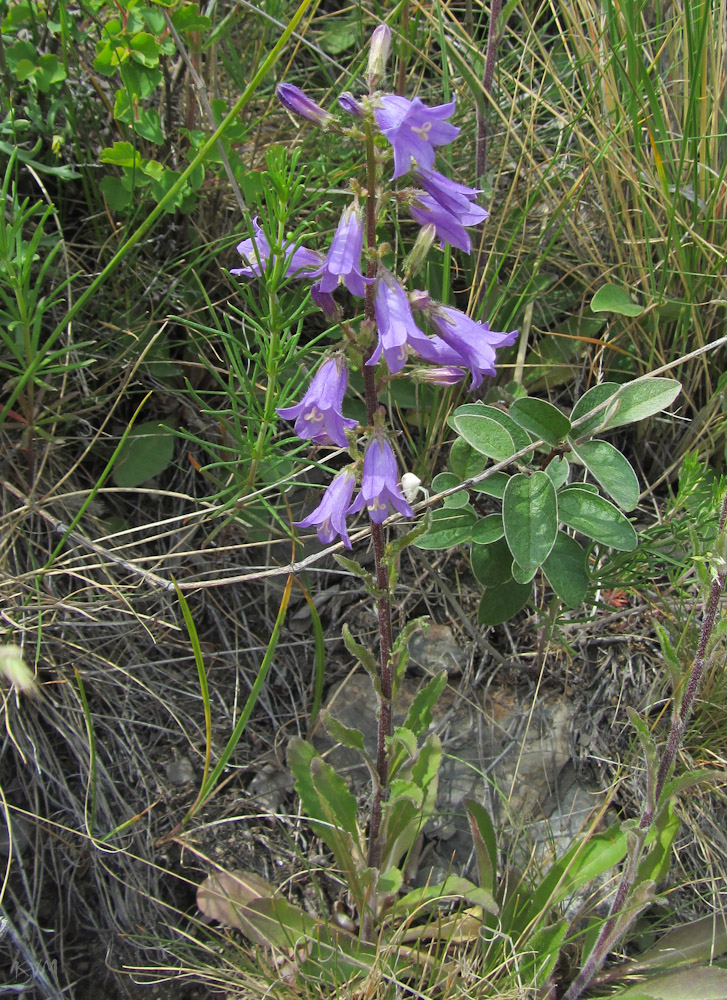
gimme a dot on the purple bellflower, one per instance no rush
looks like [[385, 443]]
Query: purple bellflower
[[343, 261], [318, 415], [299, 259], [413, 129], [397, 330], [474, 342], [296, 101], [448, 225], [456, 198], [329, 517], [380, 483]]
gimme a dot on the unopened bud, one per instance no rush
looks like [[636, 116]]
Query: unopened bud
[[421, 248], [378, 54], [13, 667], [293, 98], [447, 375], [350, 105]]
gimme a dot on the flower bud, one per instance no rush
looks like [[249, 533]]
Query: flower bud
[[378, 54], [14, 669], [293, 98], [350, 105], [421, 248]]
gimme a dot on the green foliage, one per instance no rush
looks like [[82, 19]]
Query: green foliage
[[509, 549]]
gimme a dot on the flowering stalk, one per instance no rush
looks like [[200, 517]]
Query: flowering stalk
[[390, 336], [383, 603]]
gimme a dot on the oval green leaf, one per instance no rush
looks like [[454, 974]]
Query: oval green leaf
[[450, 526], [530, 516], [596, 518], [615, 299], [541, 418], [609, 468], [488, 529], [596, 395], [485, 435], [500, 604], [147, 452], [558, 469], [464, 461], [639, 400], [519, 438], [493, 485], [492, 564], [566, 570]]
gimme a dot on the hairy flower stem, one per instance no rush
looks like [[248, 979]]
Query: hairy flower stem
[[377, 531], [619, 919]]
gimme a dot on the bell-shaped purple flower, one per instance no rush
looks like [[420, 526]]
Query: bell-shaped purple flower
[[397, 330], [299, 259], [296, 101], [329, 517], [380, 483], [343, 261], [318, 415], [474, 342], [413, 129], [449, 226], [456, 198]]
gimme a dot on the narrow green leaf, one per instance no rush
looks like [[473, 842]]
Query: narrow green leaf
[[500, 604], [485, 435], [485, 841], [597, 518], [453, 887], [688, 984], [530, 518], [364, 655], [566, 570], [346, 736], [338, 801], [541, 418], [419, 716], [612, 470]]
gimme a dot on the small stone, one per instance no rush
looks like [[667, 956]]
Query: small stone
[[180, 772]]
